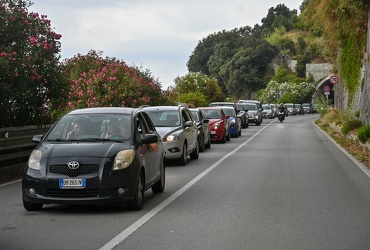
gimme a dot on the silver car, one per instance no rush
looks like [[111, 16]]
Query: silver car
[[254, 112], [291, 108], [178, 129], [268, 111]]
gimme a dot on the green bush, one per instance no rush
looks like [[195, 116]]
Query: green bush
[[357, 114], [350, 125], [363, 134]]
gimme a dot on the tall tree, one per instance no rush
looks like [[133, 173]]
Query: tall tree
[[199, 83], [247, 70], [29, 65], [279, 16]]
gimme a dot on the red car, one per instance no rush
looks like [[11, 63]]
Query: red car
[[218, 121]]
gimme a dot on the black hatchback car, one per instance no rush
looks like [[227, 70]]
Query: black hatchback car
[[95, 156]]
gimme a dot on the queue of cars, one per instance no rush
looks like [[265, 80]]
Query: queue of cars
[[113, 155]]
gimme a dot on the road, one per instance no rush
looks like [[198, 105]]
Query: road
[[278, 186]]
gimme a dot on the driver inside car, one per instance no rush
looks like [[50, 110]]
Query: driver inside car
[[113, 129], [117, 128]]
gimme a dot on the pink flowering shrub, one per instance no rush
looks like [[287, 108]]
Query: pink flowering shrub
[[29, 64], [108, 82]]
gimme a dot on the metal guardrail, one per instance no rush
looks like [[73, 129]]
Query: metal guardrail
[[15, 147]]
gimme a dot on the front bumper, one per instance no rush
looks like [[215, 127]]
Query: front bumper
[[217, 135], [173, 149], [101, 188]]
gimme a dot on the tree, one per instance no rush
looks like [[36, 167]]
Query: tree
[[96, 81], [279, 16], [29, 63], [200, 84], [216, 49], [247, 70]]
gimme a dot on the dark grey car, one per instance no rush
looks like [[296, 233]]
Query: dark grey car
[[92, 163], [204, 130], [254, 113]]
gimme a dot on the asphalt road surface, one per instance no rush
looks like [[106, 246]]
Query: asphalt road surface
[[278, 186]]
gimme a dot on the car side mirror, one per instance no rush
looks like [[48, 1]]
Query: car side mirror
[[188, 124], [37, 138], [227, 116], [150, 138], [205, 121]]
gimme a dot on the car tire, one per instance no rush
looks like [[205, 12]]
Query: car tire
[[245, 124], [224, 138], [183, 158], [208, 144], [195, 154], [29, 206], [138, 201], [201, 143], [159, 186], [228, 136]]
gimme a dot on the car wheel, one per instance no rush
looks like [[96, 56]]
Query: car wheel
[[195, 154], [182, 160], [208, 145], [201, 143], [224, 138], [29, 206], [228, 136], [245, 124], [138, 201], [159, 186]]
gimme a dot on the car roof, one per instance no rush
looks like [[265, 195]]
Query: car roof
[[162, 107], [121, 110], [213, 107], [222, 103]]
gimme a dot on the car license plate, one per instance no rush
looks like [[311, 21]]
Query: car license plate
[[72, 183], [213, 132]]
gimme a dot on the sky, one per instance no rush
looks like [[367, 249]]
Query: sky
[[158, 35]]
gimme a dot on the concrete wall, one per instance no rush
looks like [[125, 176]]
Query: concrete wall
[[319, 71]]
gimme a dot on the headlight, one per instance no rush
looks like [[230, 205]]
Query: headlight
[[216, 125], [123, 159], [172, 137], [35, 159]]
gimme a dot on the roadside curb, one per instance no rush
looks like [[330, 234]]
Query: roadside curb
[[359, 164]]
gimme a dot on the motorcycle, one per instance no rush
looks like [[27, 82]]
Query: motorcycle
[[281, 116]]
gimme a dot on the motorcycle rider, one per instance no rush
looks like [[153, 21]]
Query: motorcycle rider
[[282, 108]]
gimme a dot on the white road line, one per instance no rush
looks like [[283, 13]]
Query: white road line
[[137, 224]]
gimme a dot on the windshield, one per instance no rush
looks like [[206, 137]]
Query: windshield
[[289, 105], [211, 113], [266, 107], [229, 112], [250, 106], [195, 115], [91, 127], [164, 118]]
